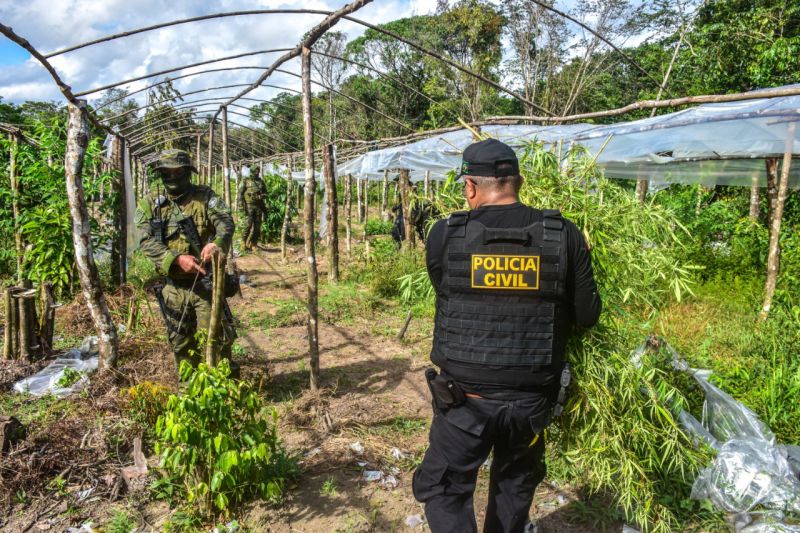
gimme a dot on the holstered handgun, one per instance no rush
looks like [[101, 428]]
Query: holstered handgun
[[446, 393]]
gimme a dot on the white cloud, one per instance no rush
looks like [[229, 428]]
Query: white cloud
[[51, 25]]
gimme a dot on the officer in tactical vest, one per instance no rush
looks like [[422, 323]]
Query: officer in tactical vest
[[252, 193], [181, 227], [511, 283]]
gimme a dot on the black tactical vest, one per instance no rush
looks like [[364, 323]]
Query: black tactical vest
[[501, 292]]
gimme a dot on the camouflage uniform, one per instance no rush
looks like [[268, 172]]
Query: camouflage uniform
[[252, 192], [188, 304]]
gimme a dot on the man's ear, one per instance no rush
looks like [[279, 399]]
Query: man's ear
[[470, 188]]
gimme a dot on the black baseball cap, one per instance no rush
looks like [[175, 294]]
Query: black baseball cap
[[489, 158]]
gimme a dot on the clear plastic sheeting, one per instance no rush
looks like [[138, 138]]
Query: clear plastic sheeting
[[767, 522], [710, 144], [83, 359], [747, 474]]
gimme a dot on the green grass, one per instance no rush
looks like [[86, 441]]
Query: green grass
[[32, 410], [286, 313], [342, 303]]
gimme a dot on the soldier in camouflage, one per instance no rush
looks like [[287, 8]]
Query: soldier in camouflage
[[252, 192], [187, 303]]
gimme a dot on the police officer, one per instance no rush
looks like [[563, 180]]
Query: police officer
[[252, 192], [161, 219], [511, 282]]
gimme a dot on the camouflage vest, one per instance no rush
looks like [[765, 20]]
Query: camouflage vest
[[167, 213], [253, 191]]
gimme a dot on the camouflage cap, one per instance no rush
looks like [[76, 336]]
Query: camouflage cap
[[174, 159]]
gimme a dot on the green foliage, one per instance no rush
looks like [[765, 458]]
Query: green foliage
[[121, 522], [218, 447], [146, 401], [328, 488], [69, 378], [384, 266], [378, 227], [276, 204]]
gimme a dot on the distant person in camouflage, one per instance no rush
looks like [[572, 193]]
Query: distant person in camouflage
[[161, 220], [252, 193]]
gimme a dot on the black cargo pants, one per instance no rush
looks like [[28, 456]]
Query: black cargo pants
[[460, 441]]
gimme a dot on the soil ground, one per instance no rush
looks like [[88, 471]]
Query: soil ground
[[373, 414]]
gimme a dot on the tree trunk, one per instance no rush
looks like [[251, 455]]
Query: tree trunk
[[348, 210], [332, 216], [385, 196], [197, 160], [287, 208], [395, 194], [774, 257], [77, 140], [754, 198], [48, 323], [405, 192], [772, 188], [11, 327], [15, 191], [365, 192], [641, 190], [226, 164], [215, 319], [308, 226]]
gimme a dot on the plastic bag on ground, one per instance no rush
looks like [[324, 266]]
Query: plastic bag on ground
[[747, 474], [83, 359], [767, 522], [728, 419]]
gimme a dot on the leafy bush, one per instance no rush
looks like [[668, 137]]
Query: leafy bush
[[146, 401], [217, 447], [378, 227], [275, 202], [383, 267]]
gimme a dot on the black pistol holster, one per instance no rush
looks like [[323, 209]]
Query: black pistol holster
[[446, 393]]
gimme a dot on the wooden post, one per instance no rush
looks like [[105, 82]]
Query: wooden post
[[754, 198], [772, 187], [774, 257], [308, 226], [12, 166], [47, 327], [11, 327], [427, 184], [226, 164], [287, 207], [385, 196], [26, 326], [215, 319], [332, 216], [359, 208], [365, 189], [120, 243], [348, 210], [405, 192], [395, 194], [77, 140], [197, 161], [210, 166]]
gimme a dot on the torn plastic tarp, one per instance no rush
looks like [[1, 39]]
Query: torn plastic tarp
[[83, 359]]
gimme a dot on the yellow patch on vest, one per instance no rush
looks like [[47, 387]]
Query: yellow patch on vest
[[514, 272]]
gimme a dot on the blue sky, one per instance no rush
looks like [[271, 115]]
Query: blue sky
[[11, 54]]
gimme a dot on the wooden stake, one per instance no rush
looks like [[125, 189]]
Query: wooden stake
[[774, 257], [120, 244], [427, 183], [385, 196], [348, 208], [215, 319], [77, 140], [47, 328], [359, 200], [308, 226], [405, 192], [772, 187], [402, 332], [210, 166], [641, 189], [365, 188], [332, 216], [197, 161], [8, 343], [286, 207], [226, 164], [754, 198]]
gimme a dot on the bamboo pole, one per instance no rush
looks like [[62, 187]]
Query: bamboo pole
[[774, 257], [226, 164], [385, 196], [405, 192], [332, 216], [308, 226], [77, 140], [215, 319], [286, 207], [348, 210]]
